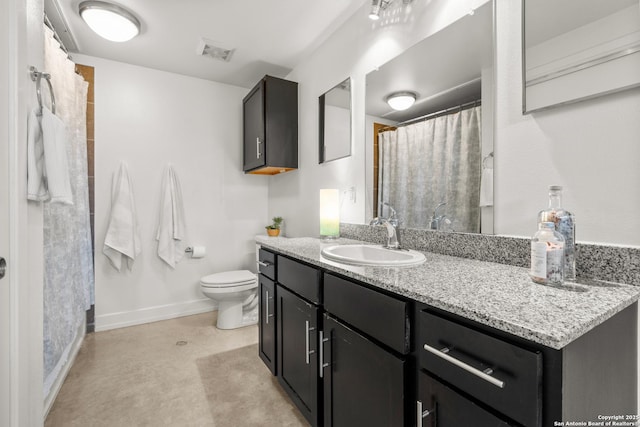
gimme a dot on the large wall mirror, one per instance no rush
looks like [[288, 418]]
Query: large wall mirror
[[433, 161], [578, 49], [335, 122]]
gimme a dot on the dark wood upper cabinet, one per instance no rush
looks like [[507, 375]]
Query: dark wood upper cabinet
[[270, 127]]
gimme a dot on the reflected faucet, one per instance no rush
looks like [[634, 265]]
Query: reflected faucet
[[436, 219], [391, 223]]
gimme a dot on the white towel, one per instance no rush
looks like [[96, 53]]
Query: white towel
[[486, 187], [36, 179], [122, 241], [54, 137], [171, 228]]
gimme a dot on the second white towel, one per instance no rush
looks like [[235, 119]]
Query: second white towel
[[171, 228]]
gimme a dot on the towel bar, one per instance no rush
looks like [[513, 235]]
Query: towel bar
[[37, 76]]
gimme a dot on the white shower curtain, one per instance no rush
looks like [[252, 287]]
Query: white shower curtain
[[68, 255], [432, 162]]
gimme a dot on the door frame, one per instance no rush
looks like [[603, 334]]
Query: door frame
[[21, 290]]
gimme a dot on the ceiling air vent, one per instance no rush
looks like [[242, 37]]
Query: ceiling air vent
[[208, 48]]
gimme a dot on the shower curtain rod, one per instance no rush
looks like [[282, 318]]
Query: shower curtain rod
[[48, 23], [442, 112]]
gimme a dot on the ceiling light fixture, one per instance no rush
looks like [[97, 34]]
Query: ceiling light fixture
[[400, 101], [109, 21], [380, 5]]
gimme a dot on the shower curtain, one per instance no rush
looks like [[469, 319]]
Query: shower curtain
[[68, 255], [432, 162]]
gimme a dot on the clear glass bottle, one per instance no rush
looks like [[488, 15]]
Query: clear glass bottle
[[565, 224], [547, 255]]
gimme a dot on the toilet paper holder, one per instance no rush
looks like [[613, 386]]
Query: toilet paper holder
[[196, 251]]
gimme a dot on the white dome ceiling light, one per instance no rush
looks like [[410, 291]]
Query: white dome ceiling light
[[109, 21], [400, 101]]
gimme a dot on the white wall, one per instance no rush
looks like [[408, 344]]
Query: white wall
[[591, 148], [149, 118]]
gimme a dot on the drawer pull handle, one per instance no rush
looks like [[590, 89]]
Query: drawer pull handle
[[307, 352], [478, 373], [266, 305], [321, 358], [420, 414], [265, 263]]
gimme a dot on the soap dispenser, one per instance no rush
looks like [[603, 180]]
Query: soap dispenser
[[547, 255], [564, 222]]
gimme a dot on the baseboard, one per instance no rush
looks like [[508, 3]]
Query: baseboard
[[123, 319], [63, 370]]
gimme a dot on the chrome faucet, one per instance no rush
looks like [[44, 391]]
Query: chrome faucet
[[437, 219], [391, 223]]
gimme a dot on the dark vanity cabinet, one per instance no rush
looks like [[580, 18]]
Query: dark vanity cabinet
[[349, 354], [270, 127], [298, 299], [267, 309]]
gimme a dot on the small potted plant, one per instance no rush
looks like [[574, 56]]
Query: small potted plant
[[274, 229]]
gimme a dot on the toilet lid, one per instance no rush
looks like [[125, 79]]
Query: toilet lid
[[229, 278]]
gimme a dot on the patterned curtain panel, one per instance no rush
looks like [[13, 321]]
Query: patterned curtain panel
[[68, 258], [428, 163]]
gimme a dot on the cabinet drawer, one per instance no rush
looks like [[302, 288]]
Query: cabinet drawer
[[300, 278], [380, 316], [267, 263], [504, 376]]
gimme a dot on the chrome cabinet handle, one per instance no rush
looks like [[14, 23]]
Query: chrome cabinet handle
[[486, 375], [322, 365], [265, 263], [307, 352], [266, 305], [420, 414], [258, 148]]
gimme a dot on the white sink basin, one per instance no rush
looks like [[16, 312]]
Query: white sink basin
[[375, 255]]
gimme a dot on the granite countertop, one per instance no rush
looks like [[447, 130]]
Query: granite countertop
[[496, 295]]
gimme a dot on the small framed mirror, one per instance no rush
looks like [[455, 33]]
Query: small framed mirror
[[335, 122], [578, 49]]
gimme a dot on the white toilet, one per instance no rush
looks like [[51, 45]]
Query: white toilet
[[237, 295]]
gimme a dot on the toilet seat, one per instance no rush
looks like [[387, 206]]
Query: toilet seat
[[227, 279]]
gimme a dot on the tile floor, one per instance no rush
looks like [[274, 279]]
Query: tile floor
[[178, 372]]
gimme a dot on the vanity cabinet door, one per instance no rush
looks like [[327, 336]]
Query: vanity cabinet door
[[267, 323], [439, 406], [364, 385], [297, 351]]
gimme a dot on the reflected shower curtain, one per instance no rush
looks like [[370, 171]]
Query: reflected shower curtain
[[68, 258], [432, 162]]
